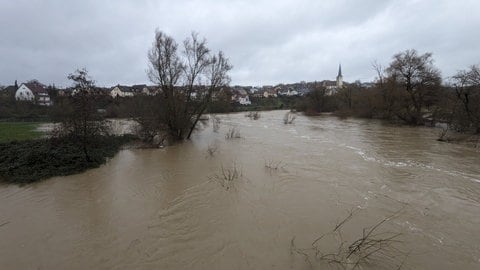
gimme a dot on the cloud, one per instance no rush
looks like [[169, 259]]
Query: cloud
[[268, 42]]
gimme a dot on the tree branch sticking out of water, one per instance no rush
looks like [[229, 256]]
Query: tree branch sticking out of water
[[289, 118], [253, 115], [468, 139], [212, 150], [442, 137], [215, 123], [274, 165], [372, 246], [227, 176], [233, 133]]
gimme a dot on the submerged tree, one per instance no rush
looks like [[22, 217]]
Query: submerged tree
[[78, 116], [188, 80]]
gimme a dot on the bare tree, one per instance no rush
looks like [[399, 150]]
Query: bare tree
[[467, 92], [380, 70], [417, 79], [188, 80], [386, 88], [78, 116]]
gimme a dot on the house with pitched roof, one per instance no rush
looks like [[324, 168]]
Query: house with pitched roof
[[122, 91], [138, 88], [33, 92], [240, 96]]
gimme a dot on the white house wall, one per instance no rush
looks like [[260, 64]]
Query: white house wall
[[116, 92], [23, 93]]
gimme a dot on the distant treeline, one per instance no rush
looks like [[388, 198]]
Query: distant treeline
[[410, 91]]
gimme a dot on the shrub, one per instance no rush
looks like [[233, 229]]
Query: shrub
[[29, 161], [289, 118], [228, 176], [233, 133], [253, 115]]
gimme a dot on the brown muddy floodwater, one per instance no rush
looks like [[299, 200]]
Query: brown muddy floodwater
[[165, 209]]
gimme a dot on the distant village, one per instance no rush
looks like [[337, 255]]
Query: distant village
[[41, 94]]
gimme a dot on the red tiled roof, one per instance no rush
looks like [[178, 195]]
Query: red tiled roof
[[36, 88]]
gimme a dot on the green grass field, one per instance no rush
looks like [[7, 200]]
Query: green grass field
[[10, 131]]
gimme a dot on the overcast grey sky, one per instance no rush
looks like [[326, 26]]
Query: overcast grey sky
[[268, 42]]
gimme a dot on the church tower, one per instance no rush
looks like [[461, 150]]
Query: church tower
[[339, 77]]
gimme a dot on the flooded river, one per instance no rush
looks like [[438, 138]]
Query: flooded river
[[169, 209]]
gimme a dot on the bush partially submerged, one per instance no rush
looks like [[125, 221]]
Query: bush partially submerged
[[233, 133], [29, 161], [216, 123], [289, 118], [253, 115], [373, 246], [227, 176], [274, 165], [212, 150]]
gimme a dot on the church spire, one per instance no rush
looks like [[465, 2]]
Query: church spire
[[339, 77]]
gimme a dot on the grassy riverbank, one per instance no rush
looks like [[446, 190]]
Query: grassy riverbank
[[28, 161], [19, 131]]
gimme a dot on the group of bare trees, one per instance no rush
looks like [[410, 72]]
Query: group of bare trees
[[406, 90], [416, 82], [188, 78], [410, 90], [416, 93]]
